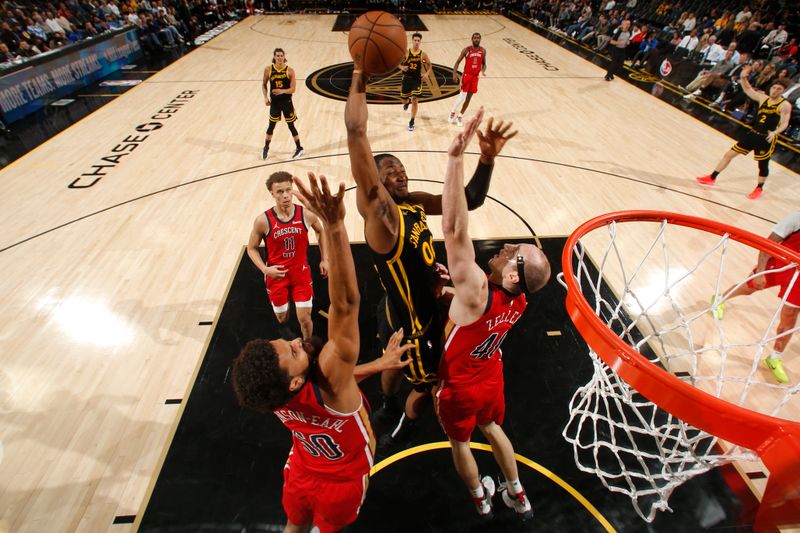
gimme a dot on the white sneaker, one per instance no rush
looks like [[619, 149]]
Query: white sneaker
[[519, 502], [484, 505], [691, 95], [451, 118], [298, 153], [458, 121]]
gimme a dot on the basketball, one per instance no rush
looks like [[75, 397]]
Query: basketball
[[379, 39]]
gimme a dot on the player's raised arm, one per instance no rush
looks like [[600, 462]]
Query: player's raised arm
[[342, 286], [748, 89], [468, 279], [374, 203]]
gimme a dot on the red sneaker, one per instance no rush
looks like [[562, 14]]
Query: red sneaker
[[706, 180], [756, 194]]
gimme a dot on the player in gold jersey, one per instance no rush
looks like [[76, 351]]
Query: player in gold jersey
[[278, 86], [771, 119], [396, 231], [415, 67]]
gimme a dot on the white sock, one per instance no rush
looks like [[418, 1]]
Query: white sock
[[477, 493], [776, 355], [515, 485]]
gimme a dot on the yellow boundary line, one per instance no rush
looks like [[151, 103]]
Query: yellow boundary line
[[524, 460]]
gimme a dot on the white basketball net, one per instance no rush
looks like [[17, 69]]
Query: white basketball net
[[658, 301]]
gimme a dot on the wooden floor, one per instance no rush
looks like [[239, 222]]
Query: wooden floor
[[104, 287]]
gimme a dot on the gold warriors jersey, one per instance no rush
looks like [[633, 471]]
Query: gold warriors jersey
[[407, 272], [279, 79], [414, 62], [768, 116]]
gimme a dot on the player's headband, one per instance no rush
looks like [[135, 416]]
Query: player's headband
[[521, 273]]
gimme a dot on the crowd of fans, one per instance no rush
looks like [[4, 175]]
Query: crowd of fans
[[29, 28], [719, 41]]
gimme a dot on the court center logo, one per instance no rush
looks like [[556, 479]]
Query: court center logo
[[334, 82]]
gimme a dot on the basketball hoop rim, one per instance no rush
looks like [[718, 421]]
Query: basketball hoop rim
[[718, 417]]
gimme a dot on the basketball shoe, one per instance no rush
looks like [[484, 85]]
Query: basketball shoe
[[706, 180], [451, 118], [459, 121], [484, 505], [776, 367], [298, 153], [519, 502], [756, 194], [398, 438], [405, 106], [411, 125], [265, 152]]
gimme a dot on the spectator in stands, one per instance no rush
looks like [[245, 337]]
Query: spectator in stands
[[603, 33], [748, 40], [713, 53], [711, 78], [645, 47], [6, 56], [743, 17], [785, 52], [773, 41], [687, 44], [57, 40], [9, 36], [722, 22], [89, 30], [689, 23], [26, 50]]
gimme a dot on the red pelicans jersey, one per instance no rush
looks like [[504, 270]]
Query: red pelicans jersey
[[474, 61], [286, 241], [472, 353], [324, 441]]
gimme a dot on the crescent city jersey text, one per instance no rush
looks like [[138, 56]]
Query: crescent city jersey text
[[414, 62], [474, 61], [407, 271], [279, 79], [286, 242]]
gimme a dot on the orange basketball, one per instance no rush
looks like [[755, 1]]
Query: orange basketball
[[380, 41]]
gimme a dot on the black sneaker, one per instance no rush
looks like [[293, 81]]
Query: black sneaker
[[389, 413], [397, 438], [265, 152], [298, 153], [405, 107], [410, 125]]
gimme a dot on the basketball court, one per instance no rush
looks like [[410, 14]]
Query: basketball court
[[126, 290]]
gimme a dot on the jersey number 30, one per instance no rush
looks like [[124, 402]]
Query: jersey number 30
[[320, 444]]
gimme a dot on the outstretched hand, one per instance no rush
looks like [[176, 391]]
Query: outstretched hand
[[495, 137], [320, 201], [460, 143], [392, 357]]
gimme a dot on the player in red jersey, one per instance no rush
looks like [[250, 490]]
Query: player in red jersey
[[284, 230], [483, 310], [312, 389], [474, 66], [787, 233]]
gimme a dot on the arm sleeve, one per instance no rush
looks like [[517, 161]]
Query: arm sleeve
[[478, 186]]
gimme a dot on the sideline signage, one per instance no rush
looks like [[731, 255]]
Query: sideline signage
[[28, 89]]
